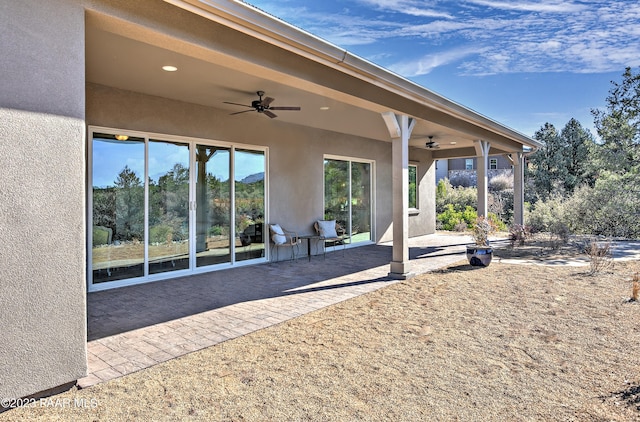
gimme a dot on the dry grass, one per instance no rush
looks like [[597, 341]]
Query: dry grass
[[507, 342]]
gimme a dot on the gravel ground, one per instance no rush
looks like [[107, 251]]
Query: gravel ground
[[507, 342]]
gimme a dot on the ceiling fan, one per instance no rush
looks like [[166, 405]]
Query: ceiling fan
[[262, 106], [432, 144]]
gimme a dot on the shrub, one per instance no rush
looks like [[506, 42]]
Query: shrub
[[451, 218], [501, 204], [464, 180], [518, 233], [546, 214], [481, 230], [610, 208], [635, 287], [459, 197], [600, 256], [160, 234], [501, 182], [497, 223]]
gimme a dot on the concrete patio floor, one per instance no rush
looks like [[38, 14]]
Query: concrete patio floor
[[136, 327]]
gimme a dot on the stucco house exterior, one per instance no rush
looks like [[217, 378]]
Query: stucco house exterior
[[117, 171]]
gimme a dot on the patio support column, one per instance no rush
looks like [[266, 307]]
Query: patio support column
[[482, 153], [400, 127], [518, 188]]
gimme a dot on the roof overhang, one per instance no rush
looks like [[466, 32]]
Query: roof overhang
[[294, 66]]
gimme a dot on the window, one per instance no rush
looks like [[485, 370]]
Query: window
[[468, 164], [493, 164], [413, 186]]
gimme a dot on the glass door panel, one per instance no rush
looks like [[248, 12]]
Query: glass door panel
[[336, 191], [249, 204], [347, 197], [360, 230], [168, 206], [213, 205], [118, 208]]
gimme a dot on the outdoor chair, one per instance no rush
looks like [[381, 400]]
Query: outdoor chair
[[284, 238], [330, 233]]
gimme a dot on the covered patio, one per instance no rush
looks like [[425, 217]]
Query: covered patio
[[136, 327]]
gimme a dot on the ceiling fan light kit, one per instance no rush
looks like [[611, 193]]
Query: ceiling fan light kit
[[263, 106]]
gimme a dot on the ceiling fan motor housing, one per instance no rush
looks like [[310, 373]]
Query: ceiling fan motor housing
[[257, 104]]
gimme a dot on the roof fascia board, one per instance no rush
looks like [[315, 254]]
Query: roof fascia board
[[258, 24]]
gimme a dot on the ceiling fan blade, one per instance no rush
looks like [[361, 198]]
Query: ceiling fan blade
[[240, 112], [270, 114], [285, 108], [267, 101], [242, 105]]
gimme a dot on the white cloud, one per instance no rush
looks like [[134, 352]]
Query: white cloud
[[408, 7], [527, 6], [427, 63], [483, 36]]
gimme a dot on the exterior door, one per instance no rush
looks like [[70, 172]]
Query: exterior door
[[166, 207]]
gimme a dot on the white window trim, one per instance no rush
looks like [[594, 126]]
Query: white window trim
[[416, 209]]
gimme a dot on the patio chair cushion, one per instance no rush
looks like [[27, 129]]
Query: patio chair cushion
[[278, 236], [327, 228], [278, 239], [277, 229]]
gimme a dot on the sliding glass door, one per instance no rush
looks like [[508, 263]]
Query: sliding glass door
[[169, 206], [117, 208], [213, 205], [249, 203], [168, 244], [348, 197]]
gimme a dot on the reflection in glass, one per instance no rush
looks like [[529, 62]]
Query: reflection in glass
[[213, 205], [360, 202], [336, 191], [118, 208], [168, 206], [249, 204]]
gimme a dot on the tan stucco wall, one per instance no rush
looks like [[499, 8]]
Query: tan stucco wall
[[424, 221], [42, 207]]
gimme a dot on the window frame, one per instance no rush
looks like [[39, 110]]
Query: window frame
[[468, 164], [416, 207]]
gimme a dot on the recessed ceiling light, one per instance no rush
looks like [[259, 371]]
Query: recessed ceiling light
[[324, 108], [453, 142], [169, 68]]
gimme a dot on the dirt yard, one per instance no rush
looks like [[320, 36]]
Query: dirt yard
[[510, 342]]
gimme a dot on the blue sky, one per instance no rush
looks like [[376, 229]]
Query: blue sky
[[522, 63]]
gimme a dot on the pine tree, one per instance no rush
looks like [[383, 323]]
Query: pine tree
[[577, 146], [619, 127], [549, 169]]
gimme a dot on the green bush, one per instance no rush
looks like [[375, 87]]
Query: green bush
[[101, 235], [459, 197], [496, 222], [451, 219], [160, 233], [546, 214], [610, 208]]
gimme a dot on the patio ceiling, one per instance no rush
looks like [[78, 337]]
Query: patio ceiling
[[129, 56]]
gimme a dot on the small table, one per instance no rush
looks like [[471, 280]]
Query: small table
[[308, 237]]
